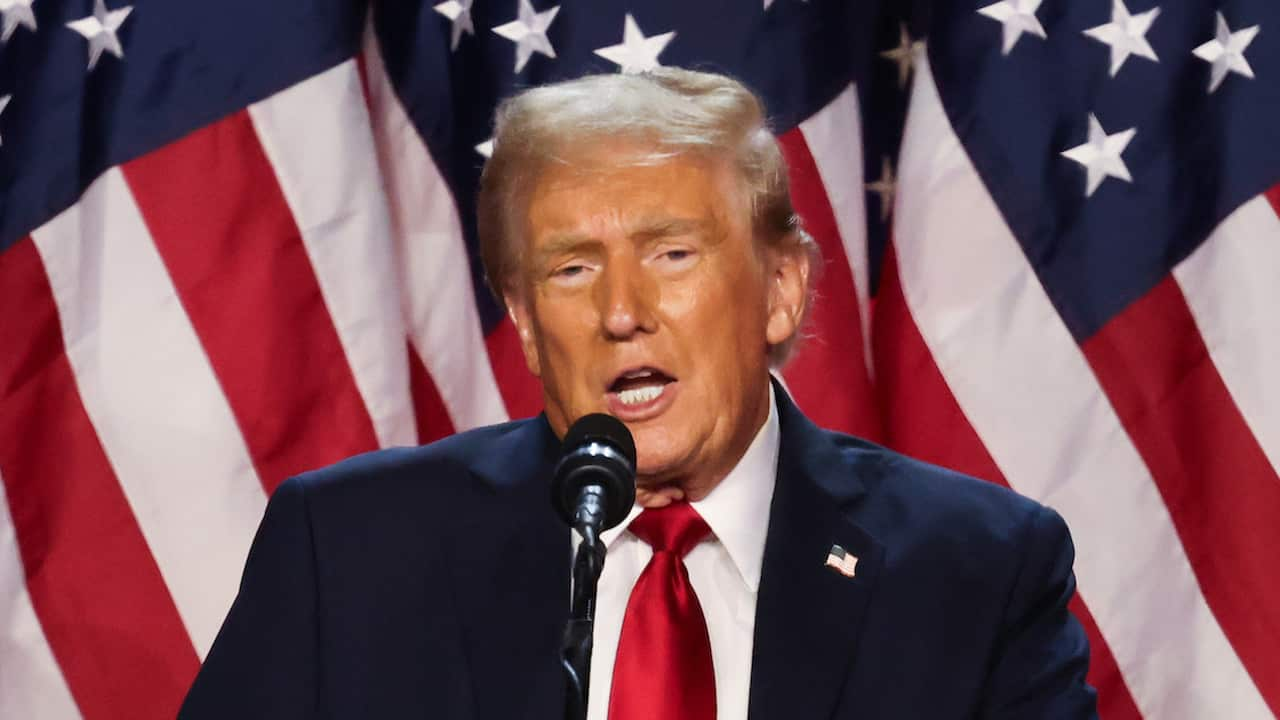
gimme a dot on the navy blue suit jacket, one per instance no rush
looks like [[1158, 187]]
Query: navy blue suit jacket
[[432, 582]]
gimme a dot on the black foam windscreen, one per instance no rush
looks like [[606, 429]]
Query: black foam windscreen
[[599, 427], [598, 452]]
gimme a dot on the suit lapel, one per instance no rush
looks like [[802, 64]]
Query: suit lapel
[[510, 567], [808, 616]]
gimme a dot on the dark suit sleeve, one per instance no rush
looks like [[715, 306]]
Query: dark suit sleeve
[[1042, 655], [263, 662]]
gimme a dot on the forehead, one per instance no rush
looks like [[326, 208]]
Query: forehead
[[615, 185]]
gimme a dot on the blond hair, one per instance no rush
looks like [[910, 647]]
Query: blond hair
[[671, 112]]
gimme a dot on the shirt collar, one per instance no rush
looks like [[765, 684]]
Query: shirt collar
[[737, 509]]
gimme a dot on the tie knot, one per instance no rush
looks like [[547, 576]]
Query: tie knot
[[675, 528]]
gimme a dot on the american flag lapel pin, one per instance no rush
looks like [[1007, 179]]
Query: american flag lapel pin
[[842, 561]]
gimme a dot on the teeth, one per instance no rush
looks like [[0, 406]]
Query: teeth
[[638, 374], [635, 396]]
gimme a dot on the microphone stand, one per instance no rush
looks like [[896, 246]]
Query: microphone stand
[[575, 648]]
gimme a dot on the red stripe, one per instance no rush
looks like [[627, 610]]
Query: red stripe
[[362, 69], [1114, 700], [922, 419], [1221, 492], [220, 221], [832, 357], [1273, 195], [428, 407], [520, 390], [104, 607]]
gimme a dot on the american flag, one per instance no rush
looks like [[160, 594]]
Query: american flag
[[237, 242], [842, 561]]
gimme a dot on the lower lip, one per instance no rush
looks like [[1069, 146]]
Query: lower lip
[[644, 410]]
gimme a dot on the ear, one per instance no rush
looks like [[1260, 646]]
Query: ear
[[788, 280], [522, 317]]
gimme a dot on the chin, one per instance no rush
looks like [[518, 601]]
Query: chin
[[664, 446], [648, 464], [658, 465]]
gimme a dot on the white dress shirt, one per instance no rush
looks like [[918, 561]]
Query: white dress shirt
[[724, 570]]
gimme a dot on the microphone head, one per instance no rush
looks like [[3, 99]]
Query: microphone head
[[604, 429], [597, 450]]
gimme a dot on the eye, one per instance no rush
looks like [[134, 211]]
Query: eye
[[674, 257], [572, 274]]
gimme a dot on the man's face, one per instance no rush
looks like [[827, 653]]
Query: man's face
[[641, 294]]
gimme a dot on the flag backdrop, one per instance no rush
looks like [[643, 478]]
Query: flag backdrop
[[237, 242]]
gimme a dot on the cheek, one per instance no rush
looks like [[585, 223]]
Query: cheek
[[695, 311], [721, 317], [565, 337]]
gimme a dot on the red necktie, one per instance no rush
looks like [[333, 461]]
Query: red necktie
[[663, 669]]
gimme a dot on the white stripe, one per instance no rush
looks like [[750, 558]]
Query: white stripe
[[435, 272], [1024, 385], [1232, 284], [154, 401], [834, 137], [31, 684], [317, 137]]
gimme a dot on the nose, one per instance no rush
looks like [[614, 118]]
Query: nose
[[626, 296]]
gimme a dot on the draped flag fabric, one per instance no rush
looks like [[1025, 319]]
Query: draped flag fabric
[[237, 242]]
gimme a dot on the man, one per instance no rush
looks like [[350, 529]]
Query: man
[[640, 231]]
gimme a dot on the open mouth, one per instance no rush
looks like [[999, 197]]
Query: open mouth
[[640, 386]]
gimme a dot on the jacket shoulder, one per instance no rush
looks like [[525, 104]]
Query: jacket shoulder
[[442, 469], [934, 504]]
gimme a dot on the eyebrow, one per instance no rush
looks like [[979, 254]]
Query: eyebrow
[[565, 244], [666, 227]]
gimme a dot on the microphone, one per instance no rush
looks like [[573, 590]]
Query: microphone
[[593, 489], [594, 484]]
